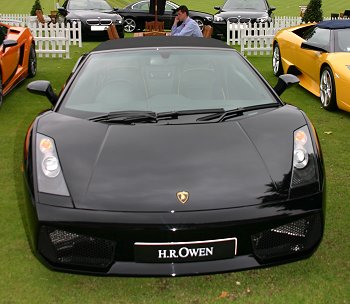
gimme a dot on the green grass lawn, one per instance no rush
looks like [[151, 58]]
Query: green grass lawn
[[324, 278], [284, 8]]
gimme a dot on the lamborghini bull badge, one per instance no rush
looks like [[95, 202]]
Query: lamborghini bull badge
[[182, 196]]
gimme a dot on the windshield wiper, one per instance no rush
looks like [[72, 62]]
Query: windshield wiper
[[126, 117], [176, 114], [129, 117], [236, 112]]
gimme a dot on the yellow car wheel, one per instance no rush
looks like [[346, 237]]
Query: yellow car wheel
[[327, 90], [276, 60]]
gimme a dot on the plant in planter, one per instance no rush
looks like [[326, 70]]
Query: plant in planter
[[36, 6], [313, 12]]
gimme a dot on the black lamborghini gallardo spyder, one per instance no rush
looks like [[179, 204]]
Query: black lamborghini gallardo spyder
[[171, 156]]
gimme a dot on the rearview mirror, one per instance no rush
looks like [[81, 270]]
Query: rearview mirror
[[62, 11], [284, 82], [44, 88]]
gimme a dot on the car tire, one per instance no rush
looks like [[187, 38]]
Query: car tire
[[200, 23], [129, 25], [327, 90], [32, 62], [276, 60], [0, 90]]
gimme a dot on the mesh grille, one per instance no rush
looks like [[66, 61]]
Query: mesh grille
[[293, 238], [77, 249]]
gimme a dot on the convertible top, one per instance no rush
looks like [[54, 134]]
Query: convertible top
[[334, 24], [159, 41]]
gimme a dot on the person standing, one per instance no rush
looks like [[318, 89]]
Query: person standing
[[188, 27]]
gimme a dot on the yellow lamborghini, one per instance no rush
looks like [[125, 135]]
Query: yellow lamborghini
[[319, 54]]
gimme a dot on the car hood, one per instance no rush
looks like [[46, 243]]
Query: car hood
[[242, 13], [141, 168], [83, 15]]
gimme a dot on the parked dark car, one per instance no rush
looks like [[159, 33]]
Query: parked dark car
[[136, 14], [240, 11], [95, 16], [171, 156]]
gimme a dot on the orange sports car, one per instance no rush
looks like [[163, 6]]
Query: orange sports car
[[319, 54], [17, 57]]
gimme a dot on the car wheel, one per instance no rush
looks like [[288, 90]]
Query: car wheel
[[327, 90], [276, 60], [129, 25], [199, 22], [32, 62], [0, 90]]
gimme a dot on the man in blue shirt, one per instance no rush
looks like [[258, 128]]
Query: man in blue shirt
[[188, 27]]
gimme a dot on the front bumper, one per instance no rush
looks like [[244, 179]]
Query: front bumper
[[102, 242], [88, 32]]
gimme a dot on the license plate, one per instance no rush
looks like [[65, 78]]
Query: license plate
[[97, 28], [181, 252]]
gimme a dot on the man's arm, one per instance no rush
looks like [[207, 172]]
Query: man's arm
[[187, 30]]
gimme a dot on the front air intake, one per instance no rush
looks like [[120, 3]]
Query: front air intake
[[69, 248], [287, 240]]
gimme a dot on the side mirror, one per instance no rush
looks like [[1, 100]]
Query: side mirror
[[115, 9], [8, 43], [272, 8], [218, 8], [285, 81], [62, 11], [44, 88], [313, 47]]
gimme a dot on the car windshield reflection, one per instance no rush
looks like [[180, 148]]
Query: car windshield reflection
[[165, 80], [89, 5], [343, 40], [244, 4]]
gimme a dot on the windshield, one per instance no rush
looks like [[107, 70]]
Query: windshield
[[164, 80], [88, 5], [258, 5], [342, 39]]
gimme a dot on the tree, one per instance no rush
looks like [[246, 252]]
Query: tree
[[313, 12], [36, 6]]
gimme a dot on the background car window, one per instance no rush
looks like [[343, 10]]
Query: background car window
[[342, 39], [169, 7], [142, 6], [318, 35], [245, 4], [165, 80], [88, 4]]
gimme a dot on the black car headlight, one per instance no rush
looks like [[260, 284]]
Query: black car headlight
[[218, 19], [75, 20], [262, 19], [49, 172], [304, 170]]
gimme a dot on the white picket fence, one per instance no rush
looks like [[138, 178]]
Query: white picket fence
[[52, 40], [14, 19], [257, 38]]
